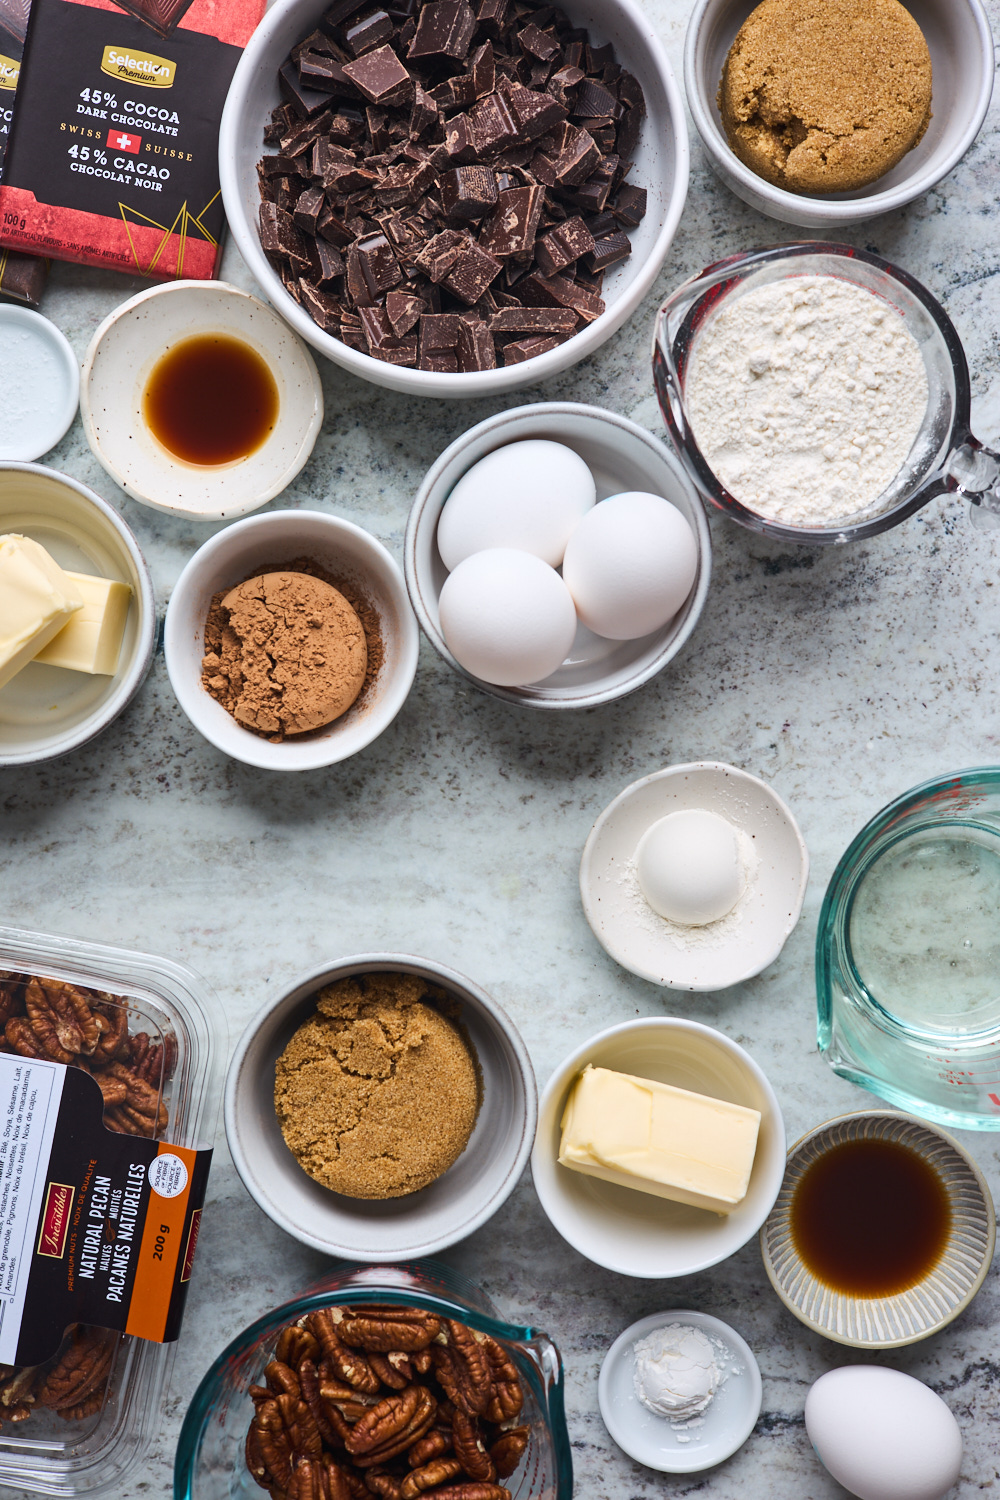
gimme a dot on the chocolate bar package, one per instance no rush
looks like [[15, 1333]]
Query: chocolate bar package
[[112, 157], [22, 277]]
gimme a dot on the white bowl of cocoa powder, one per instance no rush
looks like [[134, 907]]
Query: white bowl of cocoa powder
[[290, 641]]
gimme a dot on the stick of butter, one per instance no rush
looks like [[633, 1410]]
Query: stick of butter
[[92, 640], [36, 600], [658, 1139]]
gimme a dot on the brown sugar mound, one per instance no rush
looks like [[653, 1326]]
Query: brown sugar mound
[[377, 1095], [824, 96], [286, 653]]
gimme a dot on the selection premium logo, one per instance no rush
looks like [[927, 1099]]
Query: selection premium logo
[[9, 70], [55, 1220], [144, 68]]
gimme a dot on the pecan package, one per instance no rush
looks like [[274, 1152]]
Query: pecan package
[[134, 1036], [378, 1400]]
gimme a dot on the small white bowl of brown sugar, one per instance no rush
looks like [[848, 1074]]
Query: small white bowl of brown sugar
[[290, 641], [383, 1107]]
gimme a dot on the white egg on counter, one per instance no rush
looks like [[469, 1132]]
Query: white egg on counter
[[507, 617], [529, 495], [884, 1435], [689, 867], [630, 565]]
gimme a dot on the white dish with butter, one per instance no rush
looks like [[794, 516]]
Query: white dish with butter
[[717, 954], [681, 1447], [48, 710], [637, 1233]]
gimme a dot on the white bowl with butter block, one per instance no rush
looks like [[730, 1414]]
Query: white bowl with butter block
[[77, 619], [714, 1092]]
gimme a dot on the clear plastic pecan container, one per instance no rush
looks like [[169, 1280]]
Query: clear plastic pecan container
[[151, 1033]]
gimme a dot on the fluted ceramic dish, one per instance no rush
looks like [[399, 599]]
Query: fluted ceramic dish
[[923, 1309]]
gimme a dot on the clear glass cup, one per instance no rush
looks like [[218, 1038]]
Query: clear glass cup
[[945, 456], [908, 953], [210, 1463]]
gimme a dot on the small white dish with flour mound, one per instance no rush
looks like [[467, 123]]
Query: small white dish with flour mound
[[805, 397], [711, 956], [706, 1431]]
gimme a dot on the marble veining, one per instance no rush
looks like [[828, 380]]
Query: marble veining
[[842, 677]]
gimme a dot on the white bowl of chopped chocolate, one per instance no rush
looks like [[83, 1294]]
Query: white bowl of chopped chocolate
[[383, 1107], [77, 614], [289, 640], [828, 112], [454, 199]]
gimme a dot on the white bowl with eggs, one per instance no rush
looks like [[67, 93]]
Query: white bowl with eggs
[[622, 457], [632, 1232], [692, 952]]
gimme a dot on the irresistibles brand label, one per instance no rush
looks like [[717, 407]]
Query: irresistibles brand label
[[113, 157], [55, 1220], [95, 1227], [138, 67], [9, 70]]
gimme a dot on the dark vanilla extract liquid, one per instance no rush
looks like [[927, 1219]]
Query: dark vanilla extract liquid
[[870, 1218], [211, 400]]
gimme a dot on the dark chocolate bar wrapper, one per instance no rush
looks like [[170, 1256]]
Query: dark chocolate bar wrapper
[[112, 158], [22, 277]]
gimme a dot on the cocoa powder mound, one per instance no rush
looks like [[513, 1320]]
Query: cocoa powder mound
[[254, 698]]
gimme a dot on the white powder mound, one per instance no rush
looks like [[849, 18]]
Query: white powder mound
[[805, 397]]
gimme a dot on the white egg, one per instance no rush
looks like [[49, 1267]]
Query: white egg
[[630, 565], [507, 617], [883, 1435], [689, 867], [527, 495]]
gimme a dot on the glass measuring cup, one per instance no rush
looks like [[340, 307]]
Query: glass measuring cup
[[945, 456], [210, 1462], [908, 953]]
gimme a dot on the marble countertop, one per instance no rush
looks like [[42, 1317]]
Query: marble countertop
[[840, 676]]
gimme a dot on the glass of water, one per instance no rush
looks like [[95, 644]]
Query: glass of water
[[908, 953]]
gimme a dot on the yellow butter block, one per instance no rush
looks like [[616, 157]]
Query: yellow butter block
[[659, 1139], [92, 640], [36, 600]]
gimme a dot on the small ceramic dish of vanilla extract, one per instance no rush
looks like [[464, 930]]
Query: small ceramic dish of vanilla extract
[[199, 400], [883, 1230]]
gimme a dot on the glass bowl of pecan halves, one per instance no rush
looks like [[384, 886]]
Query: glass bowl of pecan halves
[[393, 1382], [148, 1031]]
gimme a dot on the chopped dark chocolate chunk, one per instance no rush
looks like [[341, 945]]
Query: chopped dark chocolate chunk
[[492, 17], [305, 101], [424, 113], [538, 43], [439, 342], [557, 291], [627, 135], [563, 245], [629, 207], [444, 29], [381, 77], [511, 228], [371, 31], [468, 192], [524, 349], [599, 57], [437, 257], [471, 272], [378, 264], [578, 157], [308, 209], [493, 123], [476, 349], [279, 236], [535, 113], [328, 263], [482, 68], [533, 320], [455, 93], [609, 250], [459, 142], [321, 307], [404, 311]]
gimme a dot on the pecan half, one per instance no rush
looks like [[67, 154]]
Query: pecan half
[[388, 1486], [431, 1446], [81, 1369], [316, 1478], [507, 1397], [394, 1370], [386, 1329], [282, 1378], [472, 1490], [345, 1363], [392, 1426], [62, 1018], [154, 1062], [438, 1471], [286, 1429], [470, 1448], [509, 1449], [463, 1369], [112, 1024], [296, 1344]]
